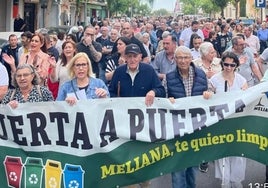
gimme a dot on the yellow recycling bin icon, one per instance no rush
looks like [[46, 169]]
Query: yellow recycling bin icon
[[53, 174]]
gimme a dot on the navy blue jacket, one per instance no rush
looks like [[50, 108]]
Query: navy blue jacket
[[175, 84], [14, 53], [146, 79]]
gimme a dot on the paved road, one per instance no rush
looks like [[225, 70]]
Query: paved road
[[255, 172]]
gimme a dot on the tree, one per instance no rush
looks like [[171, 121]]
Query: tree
[[208, 7], [191, 6], [121, 6], [161, 12], [151, 2], [144, 9], [236, 4], [221, 4]]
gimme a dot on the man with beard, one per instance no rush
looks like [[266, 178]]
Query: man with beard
[[25, 42], [91, 48]]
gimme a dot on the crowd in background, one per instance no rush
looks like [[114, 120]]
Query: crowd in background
[[115, 57]]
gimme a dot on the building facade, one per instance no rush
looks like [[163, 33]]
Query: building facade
[[250, 10], [48, 13]]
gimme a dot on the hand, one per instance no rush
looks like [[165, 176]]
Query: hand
[[71, 100], [210, 73], [149, 98], [9, 59], [88, 40], [172, 100], [52, 61], [121, 61], [100, 92], [207, 94], [243, 59], [13, 104]]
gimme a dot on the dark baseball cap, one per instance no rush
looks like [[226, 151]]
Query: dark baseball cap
[[132, 48]]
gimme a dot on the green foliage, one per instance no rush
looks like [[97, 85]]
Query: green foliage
[[190, 6], [144, 9], [161, 12], [208, 7], [121, 6], [221, 3]]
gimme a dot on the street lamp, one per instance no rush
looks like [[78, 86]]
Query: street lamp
[[43, 7]]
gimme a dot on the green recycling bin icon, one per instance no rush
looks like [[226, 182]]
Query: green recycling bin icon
[[33, 172]]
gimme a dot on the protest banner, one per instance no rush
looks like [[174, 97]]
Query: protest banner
[[120, 141]]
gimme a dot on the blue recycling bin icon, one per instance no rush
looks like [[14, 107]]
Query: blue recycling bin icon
[[73, 176]]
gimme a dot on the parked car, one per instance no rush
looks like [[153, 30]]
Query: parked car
[[246, 21]]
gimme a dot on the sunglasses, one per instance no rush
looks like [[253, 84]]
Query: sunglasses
[[229, 65]]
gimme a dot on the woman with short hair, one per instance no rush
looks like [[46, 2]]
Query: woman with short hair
[[27, 89]]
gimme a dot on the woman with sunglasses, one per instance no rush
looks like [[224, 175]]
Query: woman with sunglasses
[[231, 170], [26, 80], [228, 79]]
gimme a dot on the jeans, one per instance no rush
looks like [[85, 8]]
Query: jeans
[[102, 74], [184, 178], [263, 46]]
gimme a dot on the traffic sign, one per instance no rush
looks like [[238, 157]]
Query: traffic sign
[[260, 3]]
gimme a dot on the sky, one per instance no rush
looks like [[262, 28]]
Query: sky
[[166, 4]]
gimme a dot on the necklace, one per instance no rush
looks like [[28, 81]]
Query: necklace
[[207, 66], [26, 94]]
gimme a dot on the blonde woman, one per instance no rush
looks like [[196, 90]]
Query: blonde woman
[[82, 85]]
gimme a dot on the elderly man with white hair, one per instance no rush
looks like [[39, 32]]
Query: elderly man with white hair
[[251, 40]]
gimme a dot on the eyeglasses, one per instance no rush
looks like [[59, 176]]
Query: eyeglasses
[[229, 65], [82, 65], [180, 58], [19, 76]]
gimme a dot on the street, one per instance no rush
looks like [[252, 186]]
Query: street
[[255, 173]]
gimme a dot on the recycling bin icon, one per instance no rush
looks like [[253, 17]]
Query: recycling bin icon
[[73, 176], [33, 172], [53, 174], [13, 168]]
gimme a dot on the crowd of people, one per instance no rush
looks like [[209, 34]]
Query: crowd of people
[[140, 57]]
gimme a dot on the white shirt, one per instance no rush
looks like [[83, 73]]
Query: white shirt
[[3, 75], [186, 35], [195, 53], [253, 42]]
